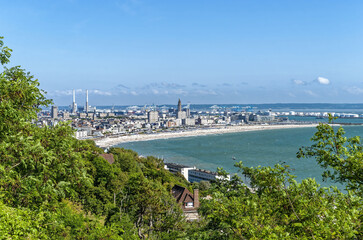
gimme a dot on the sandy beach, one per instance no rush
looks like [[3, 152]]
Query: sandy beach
[[111, 141]]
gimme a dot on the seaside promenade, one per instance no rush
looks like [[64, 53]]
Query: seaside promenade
[[111, 141]]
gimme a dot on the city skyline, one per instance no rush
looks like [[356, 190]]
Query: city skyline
[[136, 52]]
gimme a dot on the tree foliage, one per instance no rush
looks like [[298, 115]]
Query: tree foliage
[[341, 157], [53, 186], [275, 206]]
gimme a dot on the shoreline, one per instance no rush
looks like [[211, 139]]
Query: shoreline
[[112, 141]]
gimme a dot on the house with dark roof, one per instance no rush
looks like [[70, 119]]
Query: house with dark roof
[[108, 157], [183, 196]]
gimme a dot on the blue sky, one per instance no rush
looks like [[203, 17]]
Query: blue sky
[[154, 52]]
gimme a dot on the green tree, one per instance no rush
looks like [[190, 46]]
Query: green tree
[[153, 210], [275, 206], [40, 168], [5, 52], [341, 157]]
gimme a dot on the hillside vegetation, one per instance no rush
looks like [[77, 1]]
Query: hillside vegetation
[[53, 186]]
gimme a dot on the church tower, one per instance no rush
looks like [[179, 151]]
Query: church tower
[[180, 114], [179, 106]]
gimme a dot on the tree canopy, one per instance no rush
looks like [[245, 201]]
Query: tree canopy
[[55, 186], [341, 157]]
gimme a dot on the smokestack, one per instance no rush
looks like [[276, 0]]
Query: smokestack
[[74, 104], [86, 108]]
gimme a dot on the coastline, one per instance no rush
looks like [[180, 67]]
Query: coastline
[[112, 141]]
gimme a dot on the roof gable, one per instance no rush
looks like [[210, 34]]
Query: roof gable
[[108, 157], [182, 194]]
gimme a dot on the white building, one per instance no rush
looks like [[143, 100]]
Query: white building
[[152, 116]]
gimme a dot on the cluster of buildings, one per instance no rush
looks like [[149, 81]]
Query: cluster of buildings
[[91, 122], [322, 114]]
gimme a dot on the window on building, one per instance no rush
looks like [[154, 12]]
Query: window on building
[[189, 204]]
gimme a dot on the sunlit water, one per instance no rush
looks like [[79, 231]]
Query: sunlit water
[[264, 148]]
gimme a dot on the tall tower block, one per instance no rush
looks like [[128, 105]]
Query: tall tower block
[[54, 112], [86, 108]]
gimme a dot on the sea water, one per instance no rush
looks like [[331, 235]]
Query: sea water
[[264, 148]]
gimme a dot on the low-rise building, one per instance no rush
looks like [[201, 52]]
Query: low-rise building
[[197, 175], [184, 197], [192, 174]]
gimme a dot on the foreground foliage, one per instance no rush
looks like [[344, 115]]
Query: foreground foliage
[[342, 157], [277, 207], [53, 186]]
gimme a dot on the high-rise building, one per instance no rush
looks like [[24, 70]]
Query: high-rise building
[[188, 112], [180, 114], [179, 106], [86, 108], [54, 112], [152, 116], [74, 104]]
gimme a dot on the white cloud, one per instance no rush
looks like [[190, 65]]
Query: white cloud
[[67, 92], [206, 92], [323, 80], [99, 92], [299, 82], [154, 91], [179, 91], [320, 80], [354, 90], [60, 92]]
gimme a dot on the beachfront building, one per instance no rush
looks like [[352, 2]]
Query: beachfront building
[[188, 122], [197, 175], [178, 168], [204, 120], [192, 174]]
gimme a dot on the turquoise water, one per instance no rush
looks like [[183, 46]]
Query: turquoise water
[[264, 148]]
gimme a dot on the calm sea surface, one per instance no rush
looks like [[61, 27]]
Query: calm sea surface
[[264, 148]]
